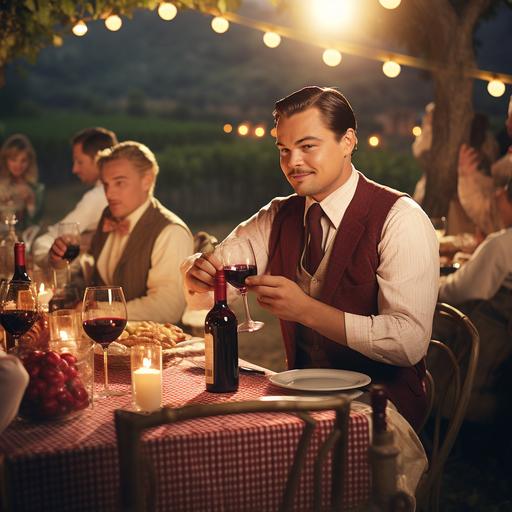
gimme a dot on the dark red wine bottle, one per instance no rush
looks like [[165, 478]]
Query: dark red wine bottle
[[20, 268], [221, 342]]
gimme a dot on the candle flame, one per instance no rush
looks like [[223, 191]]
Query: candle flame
[[41, 288], [146, 362], [63, 336]]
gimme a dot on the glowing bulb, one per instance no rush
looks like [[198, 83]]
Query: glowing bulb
[[271, 39], [390, 4], [331, 57], [416, 131], [167, 11], [57, 40], [273, 132], [220, 25], [243, 130], [496, 88], [374, 141], [259, 131], [227, 128], [391, 68], [332, 13], [79, 29], [113, 22]]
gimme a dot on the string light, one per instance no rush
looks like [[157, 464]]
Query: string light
[[416, 131], [167, 11], [57, 40], [390, 4], [220, 25], [243, 130], [374, 141], [79, 28], [273, 132], [227, 128], [113, 22], [331, 57], [391, 68], [259, 131], [331, 14], [272, 39], [496, 88]]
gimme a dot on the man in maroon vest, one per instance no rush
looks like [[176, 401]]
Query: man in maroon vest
[[350, 267]]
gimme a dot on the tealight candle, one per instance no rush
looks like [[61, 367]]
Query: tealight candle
[[44, 296], [146, 366], [65, 325]]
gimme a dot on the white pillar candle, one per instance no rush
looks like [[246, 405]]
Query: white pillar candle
[[147, 388]]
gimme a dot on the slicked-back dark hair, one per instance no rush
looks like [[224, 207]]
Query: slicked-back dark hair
[[94, 140], [334, 107]]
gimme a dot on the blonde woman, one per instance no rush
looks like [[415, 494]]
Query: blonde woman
[[20, 192]]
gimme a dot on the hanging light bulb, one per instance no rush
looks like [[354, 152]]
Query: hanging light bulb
[[220, 25], [243, 130], [273, 132], [391, 68], [496, 88], [57, 40], [79, 28], [227, 128], [259, 131], [331, 57], [374, 141], [167, 11], [113, 22], [271, 39], [390, 4], [416, 131]]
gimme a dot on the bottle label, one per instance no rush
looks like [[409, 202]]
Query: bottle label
[[209, 363]]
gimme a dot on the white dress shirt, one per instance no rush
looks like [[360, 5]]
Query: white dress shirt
[[407, 275], [488, 269], [13, 381], [87, 213], [164, 301]]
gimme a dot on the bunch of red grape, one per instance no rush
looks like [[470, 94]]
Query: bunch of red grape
[[55, 388]]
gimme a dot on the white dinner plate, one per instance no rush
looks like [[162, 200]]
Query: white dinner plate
[[320, 379]]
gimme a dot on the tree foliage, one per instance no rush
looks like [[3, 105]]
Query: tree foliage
[[27, 26]]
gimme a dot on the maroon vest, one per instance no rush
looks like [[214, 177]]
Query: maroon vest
[[350, 285]]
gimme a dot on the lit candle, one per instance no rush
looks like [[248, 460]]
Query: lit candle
[[147, 387], [44, 296]]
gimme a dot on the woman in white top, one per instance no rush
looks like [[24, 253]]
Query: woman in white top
[[13, 381]]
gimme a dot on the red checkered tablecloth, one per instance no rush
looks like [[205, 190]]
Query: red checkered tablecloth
[[227, 463]]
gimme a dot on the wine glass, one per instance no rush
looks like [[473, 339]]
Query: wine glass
[[18, 308], [70, 233], [103, 320], [239, 262]]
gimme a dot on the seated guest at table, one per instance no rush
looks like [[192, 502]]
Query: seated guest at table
[[476, 189], [19, 188], [138, 244], [367, 302], [13, 381], [482, 288], [87, 211]]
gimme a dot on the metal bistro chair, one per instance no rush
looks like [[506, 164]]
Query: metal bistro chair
[[138, 479], [453, 362]]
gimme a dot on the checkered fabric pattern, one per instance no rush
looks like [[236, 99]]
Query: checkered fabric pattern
[[233, 463]]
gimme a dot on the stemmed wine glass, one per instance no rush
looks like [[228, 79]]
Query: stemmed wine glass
[[70, 233], [239, 262], [103, 319], [18, 307]]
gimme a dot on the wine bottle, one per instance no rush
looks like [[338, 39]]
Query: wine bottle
[[20, 269], [221, 342]]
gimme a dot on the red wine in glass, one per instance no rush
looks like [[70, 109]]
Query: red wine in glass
[[17, 322], [72, 252], [236, 274], [104, 330]]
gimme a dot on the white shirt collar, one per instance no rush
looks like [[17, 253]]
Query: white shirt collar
[[135, 216], [336, 203]]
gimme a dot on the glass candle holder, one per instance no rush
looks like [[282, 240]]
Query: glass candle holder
[[65, 326], [146, 370]]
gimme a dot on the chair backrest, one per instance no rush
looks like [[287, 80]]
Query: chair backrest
[[452, 361], [138, 479]]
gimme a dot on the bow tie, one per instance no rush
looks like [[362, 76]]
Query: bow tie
[[122, 226]]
